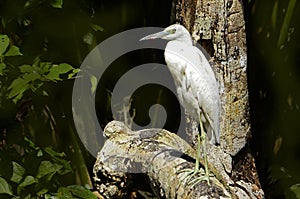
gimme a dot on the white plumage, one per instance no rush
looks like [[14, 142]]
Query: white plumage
[[194, 78]]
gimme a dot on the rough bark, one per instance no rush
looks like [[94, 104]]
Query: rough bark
[[220, 28], [162, 156], [158, 153]]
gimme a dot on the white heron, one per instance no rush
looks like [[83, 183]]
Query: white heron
[[196, 85]]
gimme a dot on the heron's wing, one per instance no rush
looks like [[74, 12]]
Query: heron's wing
[[211, 106]]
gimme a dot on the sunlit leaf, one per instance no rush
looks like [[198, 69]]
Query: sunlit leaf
[[81, 192], [88, 38], [73, 73], [42, 191], [93, 80], [30, 77], [39, 153], [31, 144], [29, 180], [2, 67], [48, 196], [29, 3], [46, 167], [4, 42], [296, 189], [13, 51], [57, 70], [96, 27], [18, 172], [28, 196], [60, 159], [64, 192], [26, 68], [53, 153], [57, 3], [45, 93], [5, 187], [45, 66], [17, 88]]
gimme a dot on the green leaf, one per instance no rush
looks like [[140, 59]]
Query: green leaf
[[88, 38], [5, 187], [57, 3], [45, 93], [73, 73], [17, 88], [26, 68], [13, 51], [296, 190], [286, 23], [29, 180], [28, 3], [94, 81], [4, 42], [30, 77], [46, 167], [96, 27], [57, 70], [64, 193], [42, 192], [28, 196], [31, 144], [39, 153], [81, 192], [60, 159], [2, 68], [44, 67], [18, 172], [48, 196], [53, 153], [30, 69], [274, 14]]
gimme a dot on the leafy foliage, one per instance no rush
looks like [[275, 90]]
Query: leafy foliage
[[6, 51], [296, 190], [42, 181], [35, 72], [33, 77]]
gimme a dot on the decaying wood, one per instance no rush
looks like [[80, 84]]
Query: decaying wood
[[161, 155]]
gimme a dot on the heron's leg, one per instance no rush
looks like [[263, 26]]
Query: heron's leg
[[194, 174], [198, 154], [202, 140]]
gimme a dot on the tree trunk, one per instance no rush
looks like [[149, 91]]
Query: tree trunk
[[220, 28]]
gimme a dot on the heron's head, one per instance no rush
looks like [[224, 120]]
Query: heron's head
[[173, 32]]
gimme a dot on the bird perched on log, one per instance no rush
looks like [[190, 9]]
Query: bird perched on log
[[196, 85]]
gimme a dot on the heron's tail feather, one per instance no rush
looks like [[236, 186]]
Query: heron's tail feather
[[212, 136]]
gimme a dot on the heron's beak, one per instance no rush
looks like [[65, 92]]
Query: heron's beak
[[155, 36]]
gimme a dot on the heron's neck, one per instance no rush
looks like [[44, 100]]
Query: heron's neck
[[185, 39]]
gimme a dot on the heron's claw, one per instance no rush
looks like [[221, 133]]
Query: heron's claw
[[193, 177]]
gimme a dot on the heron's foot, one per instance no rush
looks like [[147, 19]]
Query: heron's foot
[[194, 176]]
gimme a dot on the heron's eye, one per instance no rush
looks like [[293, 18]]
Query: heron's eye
[[172, 31]]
